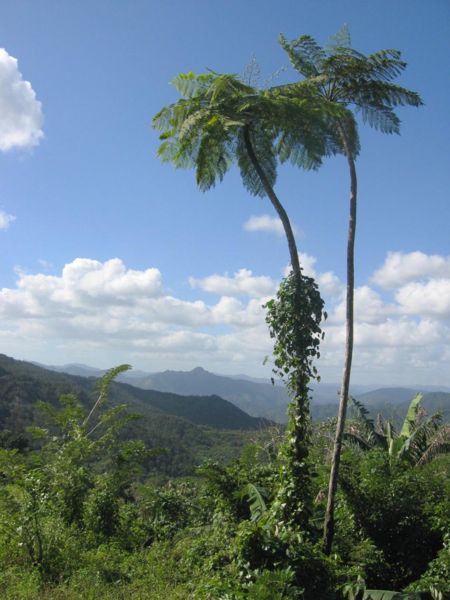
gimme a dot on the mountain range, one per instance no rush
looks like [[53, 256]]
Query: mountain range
[[190, 428], [262, 399]]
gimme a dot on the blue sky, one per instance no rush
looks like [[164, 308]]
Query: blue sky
[[83, 186]]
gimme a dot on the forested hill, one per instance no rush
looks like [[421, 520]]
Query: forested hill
[[255, 397], [22, 384], [181, 424]]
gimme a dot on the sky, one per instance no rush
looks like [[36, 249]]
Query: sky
[[109, 256]]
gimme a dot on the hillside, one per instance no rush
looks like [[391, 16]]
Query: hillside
[[257, 397], [182, 424]]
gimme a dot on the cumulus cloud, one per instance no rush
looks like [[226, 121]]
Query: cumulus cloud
[[6, 220], [95, 311], [369, 307], [400, 268], [265, 223], [20, 112], [105, 308], [430, 298], [242, 282]]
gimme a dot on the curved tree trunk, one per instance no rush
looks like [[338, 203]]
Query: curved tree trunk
[[335, 461], [295, 496], [275, 203]]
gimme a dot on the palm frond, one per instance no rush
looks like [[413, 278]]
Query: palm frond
[[439, 444], [386, 64], [190, 85], [161, 121], [305, 54], [361, 413], [373, 435], [381, 93], [213, 158], [381, 118], [262, 142], [341, 39], [357, 438]]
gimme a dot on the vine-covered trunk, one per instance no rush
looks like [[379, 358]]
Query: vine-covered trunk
[[343, 400], [294, 498]]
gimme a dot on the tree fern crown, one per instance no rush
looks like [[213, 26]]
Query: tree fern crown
[[341, 75], [205, 128]]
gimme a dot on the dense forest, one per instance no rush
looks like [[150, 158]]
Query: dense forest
[[92, 507]]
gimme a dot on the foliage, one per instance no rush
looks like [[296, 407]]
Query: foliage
[[205, 129], [391, 507], [53, 498], [345, 76], [294, 322], [420, 438]]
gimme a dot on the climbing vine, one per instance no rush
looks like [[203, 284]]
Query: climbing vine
[[294, 319]]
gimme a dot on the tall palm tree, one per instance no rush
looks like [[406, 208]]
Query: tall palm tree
[[220, 121], [347, 78]]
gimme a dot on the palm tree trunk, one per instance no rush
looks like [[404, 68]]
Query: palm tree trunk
[[335, 461], [275, 203]]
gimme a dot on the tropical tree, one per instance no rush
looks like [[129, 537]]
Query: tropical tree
[[347, 78], [220, 121]]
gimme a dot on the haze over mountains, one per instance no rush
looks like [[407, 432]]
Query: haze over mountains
[[262, 399]]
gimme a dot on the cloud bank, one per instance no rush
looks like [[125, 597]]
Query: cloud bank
[[20, 112], [104, 313]]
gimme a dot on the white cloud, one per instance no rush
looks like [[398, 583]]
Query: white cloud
[[400, 268], [103, 309], [369, 307], [430, 298], [265, 223], [6, 220], [20, 112], [104, 313], [242, 282]]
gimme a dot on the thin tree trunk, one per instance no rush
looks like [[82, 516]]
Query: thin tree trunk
[[328, 533], [294, 506], [275, 203]]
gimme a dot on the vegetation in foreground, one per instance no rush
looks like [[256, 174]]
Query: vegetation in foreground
[[81, 519]]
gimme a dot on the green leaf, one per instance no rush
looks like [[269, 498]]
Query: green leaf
[[257, 504], [411, 416]]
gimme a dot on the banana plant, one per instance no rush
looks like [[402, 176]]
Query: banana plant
[[419, 441]]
